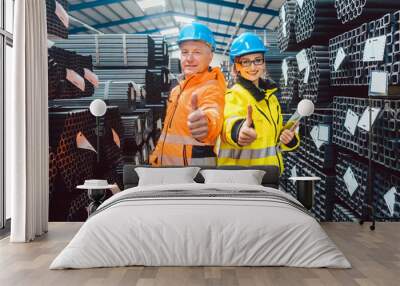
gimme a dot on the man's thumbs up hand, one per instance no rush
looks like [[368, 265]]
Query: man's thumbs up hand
[[193, 101], [197, 120], [247, 133]]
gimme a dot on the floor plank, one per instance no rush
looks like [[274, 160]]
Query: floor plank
[[375, 257]]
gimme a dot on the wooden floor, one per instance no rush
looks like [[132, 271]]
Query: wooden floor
[[375, 257]]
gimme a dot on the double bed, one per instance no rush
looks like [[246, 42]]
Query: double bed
[[201, 224]]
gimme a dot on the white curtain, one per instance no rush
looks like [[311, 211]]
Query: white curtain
[[27, 124]]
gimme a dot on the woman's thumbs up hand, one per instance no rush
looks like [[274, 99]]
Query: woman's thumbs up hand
[[247, 133]]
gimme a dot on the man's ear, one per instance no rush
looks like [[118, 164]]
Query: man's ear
[[211, 56]]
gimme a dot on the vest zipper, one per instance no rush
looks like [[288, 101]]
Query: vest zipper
[[185, 161], [276, 131]]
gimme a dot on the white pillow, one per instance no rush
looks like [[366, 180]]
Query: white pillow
[[248, 177], [166, 176]]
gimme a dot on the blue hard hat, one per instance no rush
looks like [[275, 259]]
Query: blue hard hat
[[196, 32], [246, 43]]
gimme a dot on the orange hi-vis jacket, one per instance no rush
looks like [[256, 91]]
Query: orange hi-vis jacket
[[176, 146]]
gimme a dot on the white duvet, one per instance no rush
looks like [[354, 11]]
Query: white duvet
[[190, 231]]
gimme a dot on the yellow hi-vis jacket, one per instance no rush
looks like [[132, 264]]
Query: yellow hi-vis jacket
[[267, 121]]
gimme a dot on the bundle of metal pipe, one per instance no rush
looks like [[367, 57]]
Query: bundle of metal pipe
[[356, 11], [314, 78], [384, 183], [319, 153], [52, 170], [288, 85], [385, 131], [286, 29], [323, 190], [355, 71], [74, 164], [356, 202], [380, 27], [77, 207], [113, 50], [316, 22], [175, 66], [64, 126], [112, 139], [351, 71], [59, 60], [274, 57], [113, 174], [133, 134], [156, 82], [146, 122], [55, 28], [158, 111], [343, 214], [291, 162], [121, 93], [136, 75], [160, 51]]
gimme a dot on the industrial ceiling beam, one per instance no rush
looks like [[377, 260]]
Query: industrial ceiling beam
[[162, 14], [97, 3]]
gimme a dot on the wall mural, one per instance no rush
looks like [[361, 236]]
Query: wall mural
[[134, 76]]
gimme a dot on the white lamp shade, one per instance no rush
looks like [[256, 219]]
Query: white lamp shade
[[98, 107], [305, 107]]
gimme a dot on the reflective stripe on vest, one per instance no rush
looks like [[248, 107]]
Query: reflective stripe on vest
[[248, 153], [178, 161], [184, 140], [207, 161], [171, 160]]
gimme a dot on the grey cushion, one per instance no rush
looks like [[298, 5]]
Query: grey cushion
[[270, 179]]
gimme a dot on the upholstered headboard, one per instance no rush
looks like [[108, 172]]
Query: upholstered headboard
[[270, 179]]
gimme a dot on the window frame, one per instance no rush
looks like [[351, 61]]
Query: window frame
[[6, 39]]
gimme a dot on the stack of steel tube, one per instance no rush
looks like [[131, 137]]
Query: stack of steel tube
[[355, 202], [342, 214], [322, 157], [175, 66], [349, 11], [380, 27], [291, 162], [113, 50], [357, 72], [383, 183], [52, 170], [316, 22], [161, 57], [59, 60], [287, 21], [74, 165], [77, 207], [323, 190], [274, 57], [289, 90], [385, 131], [111, 152], [316, 88], [351, 72], [55, 28]]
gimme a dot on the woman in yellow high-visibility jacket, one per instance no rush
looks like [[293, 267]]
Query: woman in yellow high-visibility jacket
[[253, 131]]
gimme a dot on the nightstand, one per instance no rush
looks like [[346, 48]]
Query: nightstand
[[96, 190], [305, 190]]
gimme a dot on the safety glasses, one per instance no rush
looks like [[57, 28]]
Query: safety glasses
[[247, 63]]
